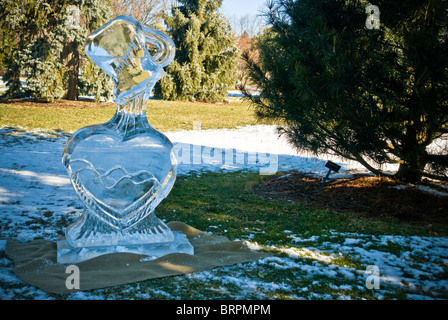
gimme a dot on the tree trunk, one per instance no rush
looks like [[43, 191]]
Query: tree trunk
[[408, 173], [71, 61], [414, 157]]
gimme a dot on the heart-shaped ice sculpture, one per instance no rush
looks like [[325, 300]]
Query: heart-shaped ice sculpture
[[124, 168]]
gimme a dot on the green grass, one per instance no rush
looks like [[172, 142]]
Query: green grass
[[50, 117], [227, 200], [163, 115], [225, 204], [175, 115]]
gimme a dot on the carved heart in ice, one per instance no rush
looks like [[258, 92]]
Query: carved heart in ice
[[124, 168], [121, 179]]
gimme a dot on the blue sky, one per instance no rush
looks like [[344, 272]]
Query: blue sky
[[240, 8]]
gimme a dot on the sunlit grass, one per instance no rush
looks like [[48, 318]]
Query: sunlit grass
[[50, 117], [163, 115]]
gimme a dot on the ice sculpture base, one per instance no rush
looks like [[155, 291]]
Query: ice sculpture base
[[66, 254]]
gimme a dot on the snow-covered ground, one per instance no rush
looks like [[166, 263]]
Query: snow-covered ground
[[36, 198]]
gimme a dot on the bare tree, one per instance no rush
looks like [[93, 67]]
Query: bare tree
[[146, 11], [251, 24]]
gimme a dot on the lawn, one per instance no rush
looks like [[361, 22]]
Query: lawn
[[163, 115], [317, 253]]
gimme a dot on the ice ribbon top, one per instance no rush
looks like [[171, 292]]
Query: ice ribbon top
[[120, 48]]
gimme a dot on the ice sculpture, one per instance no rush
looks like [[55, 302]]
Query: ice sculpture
[[124, 168]]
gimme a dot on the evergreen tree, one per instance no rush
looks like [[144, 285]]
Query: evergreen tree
[[376, 95], [93, 81], [206, 53], [46, 47], [20, 23]]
